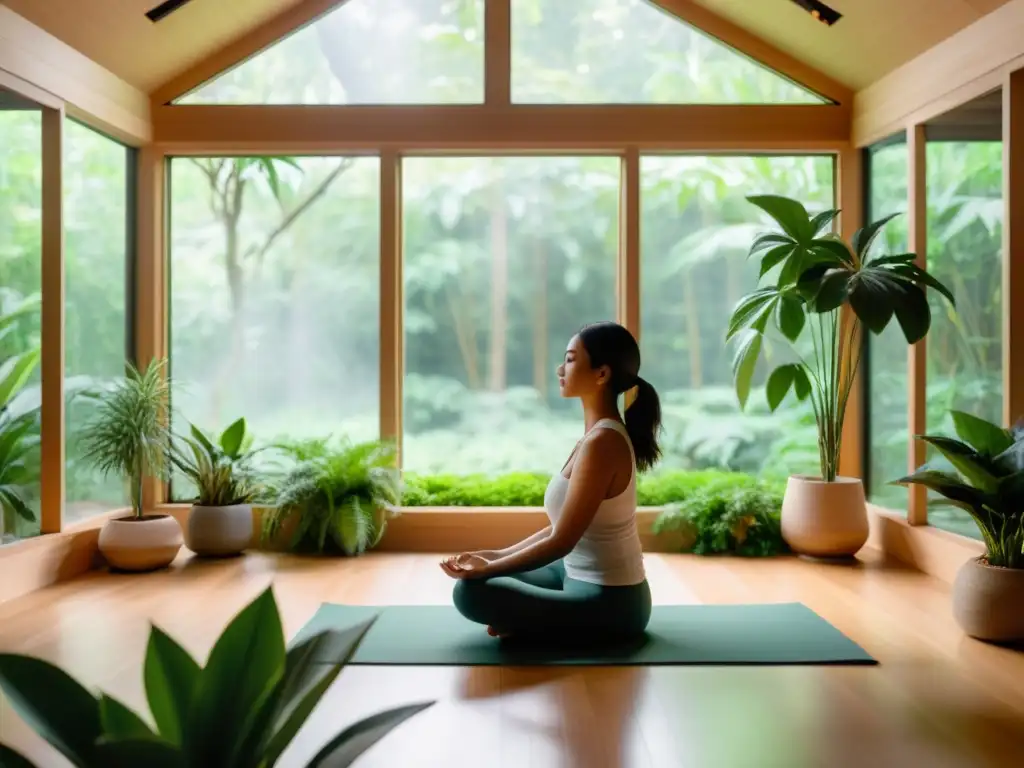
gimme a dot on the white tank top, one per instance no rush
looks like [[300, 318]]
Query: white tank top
[[609, 552]]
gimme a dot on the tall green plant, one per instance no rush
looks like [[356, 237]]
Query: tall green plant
[[241, 710], [820, 282], [220, 468], [985, 478], [129, 434]]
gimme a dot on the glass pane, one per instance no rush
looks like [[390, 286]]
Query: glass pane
[[697, 228], [275, 296], [95, 253], [965, 221], [505, 259], [631, 52], [888, 426], [366, 52], [21, 203]]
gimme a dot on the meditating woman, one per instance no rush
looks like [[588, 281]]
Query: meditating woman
[[583, 575]]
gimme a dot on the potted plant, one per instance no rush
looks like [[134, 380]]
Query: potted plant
[[128, 436], [983, 474], [242, 709], [820, 291], [335, 498], [220, 522]]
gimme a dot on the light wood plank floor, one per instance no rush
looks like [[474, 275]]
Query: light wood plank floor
[[937, 700]]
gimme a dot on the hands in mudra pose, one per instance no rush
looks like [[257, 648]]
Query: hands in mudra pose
[[469, 565]]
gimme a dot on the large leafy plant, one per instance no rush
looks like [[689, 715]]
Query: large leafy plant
[[821, 283], [338, 495], [241, 710], [983, 474], [220, 468], [129, 434]]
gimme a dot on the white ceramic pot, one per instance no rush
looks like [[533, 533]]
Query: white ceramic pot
[[988, 600], [140, 544], [220, 531], [821, 519]]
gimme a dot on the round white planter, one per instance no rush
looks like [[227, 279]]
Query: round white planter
[[220, 531], [987, 601], [143, 544], [821, 519]]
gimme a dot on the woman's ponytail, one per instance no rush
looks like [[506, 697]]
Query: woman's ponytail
[[643, 423]]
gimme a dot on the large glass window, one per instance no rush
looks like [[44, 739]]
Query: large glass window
[[96, 248], [20, 284], [965, 221], [886, 363], [275, 295], [697, 228], [366, 52], [631, 52], [505, 258]]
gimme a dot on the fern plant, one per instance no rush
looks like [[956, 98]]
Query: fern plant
[[129, 434], [339, 494], [221, 468]]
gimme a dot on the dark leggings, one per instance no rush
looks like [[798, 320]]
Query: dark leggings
[[546, 603]]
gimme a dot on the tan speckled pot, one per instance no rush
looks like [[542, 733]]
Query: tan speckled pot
[[822, 519], [988, 601]]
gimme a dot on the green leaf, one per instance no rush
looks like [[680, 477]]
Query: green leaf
[[773, 258], [139, 753], [896, 258], [743, 364], [232, 437], [171, 678], [779, 382], [915, 274], [789, 214], [796, 265], [120, 723], [345, 748], [832, 291], [913, 313], [985, 437], [203, 440], [18, 374], [312, 667], [946, 484], [822, 220], [791, 316], [801, 382], [833, 251], [974, 468], [11, 759], [53, 704], [770, 241], [751, 310], [871, 300], [247, 661], [863, 238]]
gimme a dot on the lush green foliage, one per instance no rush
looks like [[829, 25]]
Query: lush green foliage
[[727, 520], [983, 474], [337, 494], [221, 469], [129, 436], [241, 710], [815, 277]]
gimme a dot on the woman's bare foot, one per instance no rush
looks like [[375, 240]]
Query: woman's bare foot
[[495, 633]]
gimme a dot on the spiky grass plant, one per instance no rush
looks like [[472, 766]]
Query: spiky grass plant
[[220, 468], [129, 433]]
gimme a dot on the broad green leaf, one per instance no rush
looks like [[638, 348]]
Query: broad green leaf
[[53, 704], [773, 258], [232, 437], [345, 748], [743, 364], [795, 266], [11, 759], [946, 484], [822, 220], [139, 753], [872, 301], [791, 316], [913, 313], [312, 667], [246, 661], [986, 438], [832, 291], [896, 258], [789, 214], [171, 677], [120, 723], [19, 373], [801, 382], [779, 382], [749, 309], [770, 241], [203, 440], [863, 238], [1012, 459], [975, 468], [829, 250], [916, 274]]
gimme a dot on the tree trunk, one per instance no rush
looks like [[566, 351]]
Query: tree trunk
[[499, 289]]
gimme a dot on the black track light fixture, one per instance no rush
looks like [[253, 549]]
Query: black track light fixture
[[820, 11]]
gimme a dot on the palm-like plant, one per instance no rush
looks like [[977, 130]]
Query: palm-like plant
[[129, 434], [221, 468], [837, 287], [985, 478]]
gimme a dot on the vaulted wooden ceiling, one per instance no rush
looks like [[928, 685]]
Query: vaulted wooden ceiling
[[873, 38]]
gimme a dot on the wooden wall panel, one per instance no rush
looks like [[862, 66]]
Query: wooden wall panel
[[917, 418], [627, 288], [850, 194], [392, 301]]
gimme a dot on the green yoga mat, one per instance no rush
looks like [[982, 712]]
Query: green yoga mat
[[774, 633]]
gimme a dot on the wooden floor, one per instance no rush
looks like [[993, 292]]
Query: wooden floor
[[937, 699]]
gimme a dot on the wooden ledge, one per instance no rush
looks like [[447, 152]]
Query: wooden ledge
[[932, 550]]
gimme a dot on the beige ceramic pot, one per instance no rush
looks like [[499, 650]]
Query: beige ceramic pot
[[987, 601], [822, 519], [220, 531], [143, 544]]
